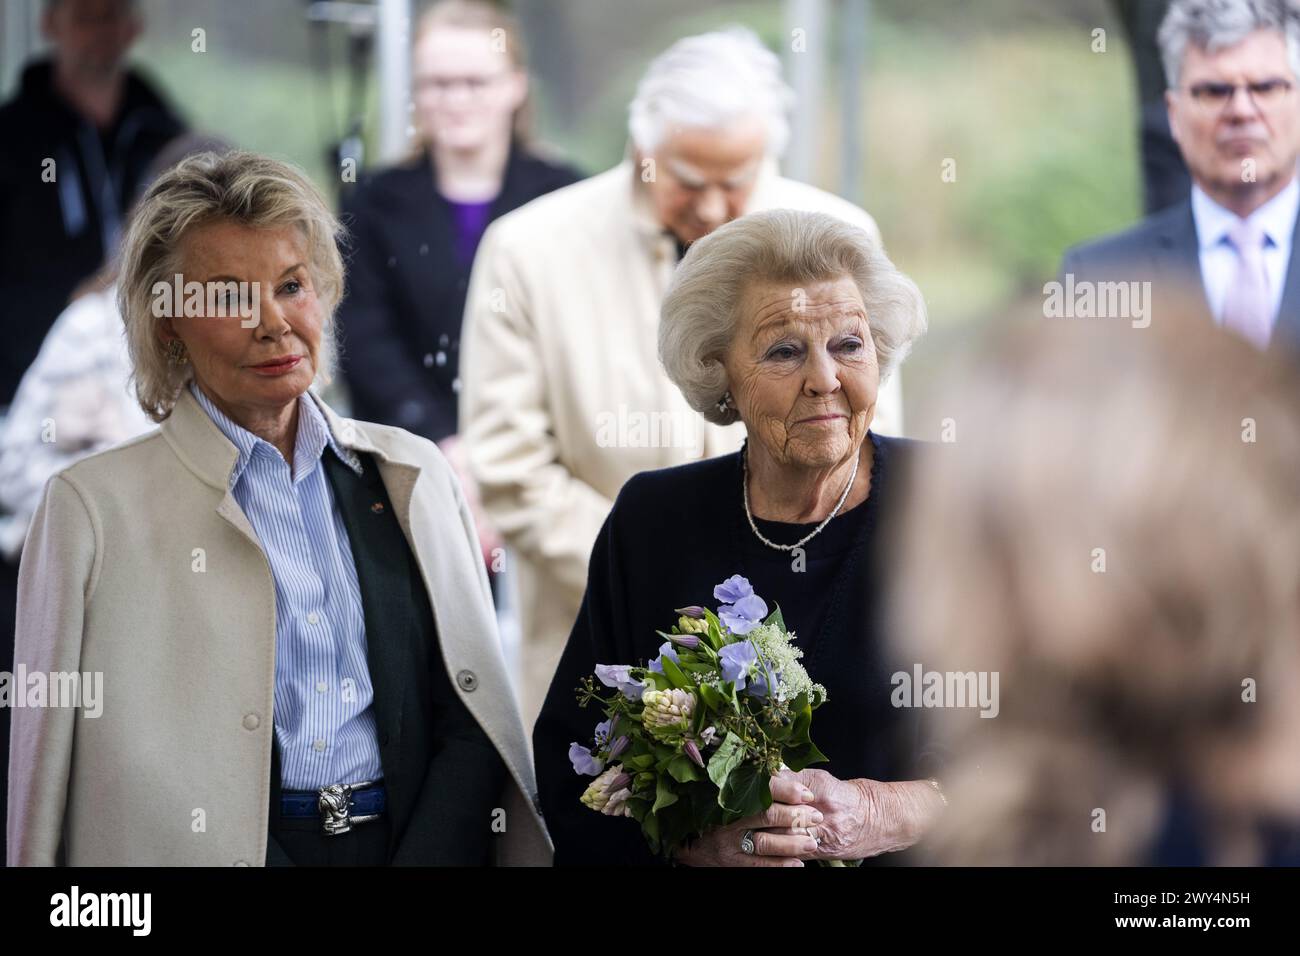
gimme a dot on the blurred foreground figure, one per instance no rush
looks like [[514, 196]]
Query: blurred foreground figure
[[1126, 559]]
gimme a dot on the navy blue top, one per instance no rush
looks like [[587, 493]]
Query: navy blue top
[[673, 535], [1181, 839]]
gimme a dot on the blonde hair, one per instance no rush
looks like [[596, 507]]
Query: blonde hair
[[237, 186], [489, 17], [1104, 534]]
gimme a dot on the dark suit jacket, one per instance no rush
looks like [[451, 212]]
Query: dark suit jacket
[[442, 773], [401, 318], [1163, 249]]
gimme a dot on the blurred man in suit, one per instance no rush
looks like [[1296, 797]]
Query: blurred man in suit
[[1233, 68]]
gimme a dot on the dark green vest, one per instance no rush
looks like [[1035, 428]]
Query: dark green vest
[[443, 776]]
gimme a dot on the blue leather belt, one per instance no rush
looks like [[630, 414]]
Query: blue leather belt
[[338, 807]]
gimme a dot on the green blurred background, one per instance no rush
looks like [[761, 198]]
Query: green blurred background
[[1042, 129]]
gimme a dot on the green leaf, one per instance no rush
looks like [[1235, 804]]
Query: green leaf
[[675, 675], [796, 758], [694, 668], [801, 721], [776, 618], [705, 812], [675, 822], [639, 807], [725, 759], [664, 796], [747, 791], [640, 762], [683, 769], [650, 827], [713, 700], [715, 630]]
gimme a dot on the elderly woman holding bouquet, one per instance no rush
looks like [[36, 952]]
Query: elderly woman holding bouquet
[[787, 322]]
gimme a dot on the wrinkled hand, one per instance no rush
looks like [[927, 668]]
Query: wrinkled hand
[[781, 836], [864, 818]]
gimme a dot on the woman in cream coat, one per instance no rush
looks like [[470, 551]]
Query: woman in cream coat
[[284, 638]]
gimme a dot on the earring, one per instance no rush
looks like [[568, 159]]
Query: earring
[[176, 352], [724, 403]]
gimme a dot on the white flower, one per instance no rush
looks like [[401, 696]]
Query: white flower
[[667, 712], [782, 658], [608, 793]]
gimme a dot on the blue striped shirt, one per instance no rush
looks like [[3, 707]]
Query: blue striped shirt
[[324, 721]]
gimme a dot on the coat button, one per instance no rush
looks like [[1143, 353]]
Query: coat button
[[467, 680], [252, 721]]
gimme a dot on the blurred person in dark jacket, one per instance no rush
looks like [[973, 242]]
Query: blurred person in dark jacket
[[416, 225], [75, 143]]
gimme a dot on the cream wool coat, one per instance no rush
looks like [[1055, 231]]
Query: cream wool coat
[[109, 584], [563, 398]]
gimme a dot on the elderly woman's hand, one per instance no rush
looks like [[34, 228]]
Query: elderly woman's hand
[[864, 818], [781, 836]]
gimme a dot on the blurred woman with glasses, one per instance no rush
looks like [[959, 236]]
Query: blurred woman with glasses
[[416, 225]]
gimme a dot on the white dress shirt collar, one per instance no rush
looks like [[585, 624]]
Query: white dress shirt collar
[[1276, 217]]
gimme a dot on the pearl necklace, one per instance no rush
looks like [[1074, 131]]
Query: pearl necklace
[[744, 485]]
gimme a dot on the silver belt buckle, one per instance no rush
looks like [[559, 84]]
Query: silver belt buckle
[[335, 805]]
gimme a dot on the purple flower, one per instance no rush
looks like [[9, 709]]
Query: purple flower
[[618, 746], [733, 589], [694, 611], [665, 650], [693, 751], [584, 762], [736, 660], [620, 676], [744, 615], [688, 641], [741, 666], [742, 608], [603, 730]]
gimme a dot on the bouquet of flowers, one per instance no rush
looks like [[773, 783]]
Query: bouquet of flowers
[[690, 741]]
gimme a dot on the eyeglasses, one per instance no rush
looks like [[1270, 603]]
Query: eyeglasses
[[444, 85], [1216, 96]]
